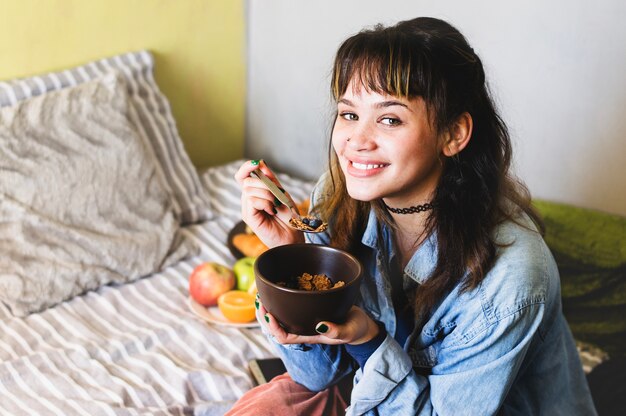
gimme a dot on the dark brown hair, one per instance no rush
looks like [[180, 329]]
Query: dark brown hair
[[429, 58]]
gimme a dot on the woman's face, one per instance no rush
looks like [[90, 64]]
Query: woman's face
[[387, 148]]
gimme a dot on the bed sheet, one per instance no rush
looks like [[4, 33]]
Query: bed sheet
[[137, 348]]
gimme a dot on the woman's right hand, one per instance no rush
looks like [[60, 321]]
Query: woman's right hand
[[259, 208]]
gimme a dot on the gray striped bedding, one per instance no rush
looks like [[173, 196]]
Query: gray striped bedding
[[137, 349]]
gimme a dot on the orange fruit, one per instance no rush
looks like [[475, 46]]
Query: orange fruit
[[237, 306], [303, 206]]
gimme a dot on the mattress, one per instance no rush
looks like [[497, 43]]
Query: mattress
[[137, 348]]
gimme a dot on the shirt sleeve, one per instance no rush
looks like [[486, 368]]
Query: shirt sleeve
[[316, 367], [472, 377]]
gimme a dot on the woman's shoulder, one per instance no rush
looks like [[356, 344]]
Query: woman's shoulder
[[519, 242], [522, 280], [524, 271], [320, 190]]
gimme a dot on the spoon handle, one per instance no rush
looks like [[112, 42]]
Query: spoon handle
[[273, 188]]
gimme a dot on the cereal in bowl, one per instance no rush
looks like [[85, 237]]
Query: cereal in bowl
[[309, 282]]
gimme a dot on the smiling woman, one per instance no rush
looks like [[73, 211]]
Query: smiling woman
[[460, 307]]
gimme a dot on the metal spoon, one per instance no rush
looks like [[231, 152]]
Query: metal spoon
[[296, 222]]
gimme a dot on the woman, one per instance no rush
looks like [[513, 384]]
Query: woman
[[460, 312]]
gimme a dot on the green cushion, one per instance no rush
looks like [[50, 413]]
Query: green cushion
[[590, 249]]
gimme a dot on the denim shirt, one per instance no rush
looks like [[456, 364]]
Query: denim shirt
[[503, 347]]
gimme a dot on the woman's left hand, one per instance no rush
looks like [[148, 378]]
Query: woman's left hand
[[357, 329]]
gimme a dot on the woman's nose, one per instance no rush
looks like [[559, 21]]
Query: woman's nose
[[361, 139]]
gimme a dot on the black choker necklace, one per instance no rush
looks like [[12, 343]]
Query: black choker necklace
[[410, 210]]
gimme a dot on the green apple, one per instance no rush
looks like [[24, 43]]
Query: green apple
[[244, 272]]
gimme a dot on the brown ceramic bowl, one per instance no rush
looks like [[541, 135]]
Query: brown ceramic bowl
[[298, 311]]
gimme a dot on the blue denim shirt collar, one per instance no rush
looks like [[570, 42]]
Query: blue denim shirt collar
[[370, 236], [422, 263]]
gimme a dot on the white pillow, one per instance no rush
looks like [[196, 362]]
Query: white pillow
[[151, 113], [82, 201]]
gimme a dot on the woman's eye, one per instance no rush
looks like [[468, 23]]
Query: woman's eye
[[390, 121], [349, 116]]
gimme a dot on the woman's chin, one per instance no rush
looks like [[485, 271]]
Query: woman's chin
[[362, 195]]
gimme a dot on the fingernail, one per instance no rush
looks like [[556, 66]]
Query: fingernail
[[267, 318], [281, 189], [274, 209], [277, 202], [255, 162], [321, 328], [257, 295], [256, 304]]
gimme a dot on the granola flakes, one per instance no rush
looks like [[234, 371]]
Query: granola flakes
[[311, 282]]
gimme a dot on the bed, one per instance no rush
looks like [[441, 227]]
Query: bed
[[94, 305], [136, 348], [120, 345]]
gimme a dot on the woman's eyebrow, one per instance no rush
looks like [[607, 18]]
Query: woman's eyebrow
[[391, 103], [382, 104]]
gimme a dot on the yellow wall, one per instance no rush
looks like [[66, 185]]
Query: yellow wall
[[198, 47]]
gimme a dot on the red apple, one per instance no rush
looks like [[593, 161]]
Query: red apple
[[210, 280]]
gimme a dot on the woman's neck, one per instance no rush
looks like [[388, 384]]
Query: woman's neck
[[409, 234]]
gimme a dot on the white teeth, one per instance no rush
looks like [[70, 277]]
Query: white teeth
[[365, 167]]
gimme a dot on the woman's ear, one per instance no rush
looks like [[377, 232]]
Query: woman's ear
[[459, 135]]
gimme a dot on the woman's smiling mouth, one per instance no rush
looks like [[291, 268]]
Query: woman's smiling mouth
[[365, 168]]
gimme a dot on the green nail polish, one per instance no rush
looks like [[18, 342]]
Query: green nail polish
[[274, 209], [267, 319], [255, 162], [321, 328], [256, 304], [277, 202]]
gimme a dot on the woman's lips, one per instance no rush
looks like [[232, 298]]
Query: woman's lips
[[365, 169]]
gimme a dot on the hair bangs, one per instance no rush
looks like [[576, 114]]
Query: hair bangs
[[377, 62]]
